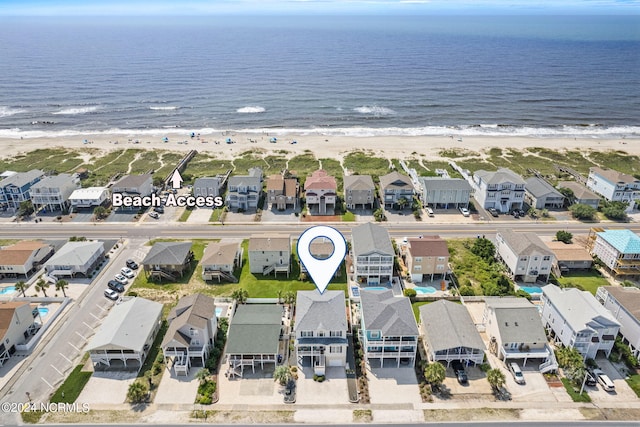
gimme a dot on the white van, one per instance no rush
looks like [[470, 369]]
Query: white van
[[516, 372], [604, 380], [429, 212]]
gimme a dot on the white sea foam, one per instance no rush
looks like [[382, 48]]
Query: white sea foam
[[251, 109], [165, 108], [76, 110], [588, 131], [374, 110], [8, 111]]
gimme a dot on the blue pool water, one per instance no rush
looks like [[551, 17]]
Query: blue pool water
[[43, 311], [376, 288], [7, 290], [219, 311], [531, 289], [425, 289]]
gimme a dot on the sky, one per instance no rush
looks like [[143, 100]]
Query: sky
[[212, 7]]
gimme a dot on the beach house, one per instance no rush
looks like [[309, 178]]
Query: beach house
[[90, 197], [540, 194], [388, 329], [168, 260], [191, 332], [23, 258], [445, 193], [321, 329], [207, 186], [578, 321], [133, 185], [525, 255], [282, 193], [396, 190], [220, 259], [624, 304], [581, 194], [244, 191], [16, 188], [426, 258], [321, 248], [372, 255], [502, 190], [270, 254], [76, 258], [613, 185], [619, 250], [52, 193], [126, 335], [359, 192], [16, 326], [321, 193]]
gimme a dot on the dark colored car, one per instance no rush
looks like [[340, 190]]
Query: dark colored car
[[590, 381], [116, 286], [290, 392], [159, 209], [458, 369], [493, 212], [132, 264]]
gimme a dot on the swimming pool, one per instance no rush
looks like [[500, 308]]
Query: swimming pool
[[219, 311], [425, 289], [43, 311], [376, 288], [531, 289], [8, 290]]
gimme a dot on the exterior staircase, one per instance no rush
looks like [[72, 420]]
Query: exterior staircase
[[268, 269]]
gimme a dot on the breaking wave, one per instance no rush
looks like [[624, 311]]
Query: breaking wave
[[251, 109]]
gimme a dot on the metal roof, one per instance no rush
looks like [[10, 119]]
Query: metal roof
[[255, 329], [624, 241]]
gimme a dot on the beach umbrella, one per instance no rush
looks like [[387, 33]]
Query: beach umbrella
[[274, 139], [165, 139], [229, 141]]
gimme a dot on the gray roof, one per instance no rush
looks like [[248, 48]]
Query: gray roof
[[579, 191], [522, 243], [132, 181], [273, 242], [520, 324], [434, 183], [21, 178], [500, 176], [255, 329], [242, 180], [207, 182], [75, 253], [167, 253], [613, 176], [370, 237], [627, 297], [127, 326], [54, 181], [395, 180], [390, 315], [358, 182], [506, 302], [192, 310], [315, 311], [580, 309], [539, 187], [449, 325]]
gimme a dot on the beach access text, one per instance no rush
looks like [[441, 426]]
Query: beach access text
[[154, 201]]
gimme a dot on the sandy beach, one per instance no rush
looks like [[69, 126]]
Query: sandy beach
[[322, 146]]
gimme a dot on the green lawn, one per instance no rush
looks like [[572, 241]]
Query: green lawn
[[634, 383], [217, 214], [416, 308], [584, 397], [348, 216], [71, 388], [587, 280], [185, 215]]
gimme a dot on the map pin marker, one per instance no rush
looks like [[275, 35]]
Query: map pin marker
[[321, 270]]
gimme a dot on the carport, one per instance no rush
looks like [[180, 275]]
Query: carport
[[254, 338]]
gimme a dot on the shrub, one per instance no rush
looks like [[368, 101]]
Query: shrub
[[467, 291], [564, 236], [410, 293]]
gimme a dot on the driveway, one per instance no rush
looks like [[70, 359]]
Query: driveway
[[174, 389], [393, 385], [200, 216], [107, 387], [122, 215], [477, 385], [333, 390], [535, 387], [274, 215], [623, 392], [254, 389]]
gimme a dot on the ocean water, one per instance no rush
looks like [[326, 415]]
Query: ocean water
[[428, 75]]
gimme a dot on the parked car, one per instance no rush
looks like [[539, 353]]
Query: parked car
[[159, 209], [516, 372], [458, 369], [464, 211], [604, 380], [115, 286], [132, 264], [154, 215], [493, 212], [429, 212], [290, 392], [121, 279], [590, 380], [126, 272], [111, 294]]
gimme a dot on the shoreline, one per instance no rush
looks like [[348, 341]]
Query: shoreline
[[321, 145]]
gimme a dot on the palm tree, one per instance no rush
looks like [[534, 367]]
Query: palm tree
[[42, 286], [402, 202], [496, 378], [435, 374], [62, 285], [137, 392], [202, 375], [289, 297], [240, 295], [280, 292], [282, 374], [22, 287]]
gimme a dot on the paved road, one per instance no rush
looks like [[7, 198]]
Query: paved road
[[60, 350]]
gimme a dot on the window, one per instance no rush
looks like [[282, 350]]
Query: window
[[374, 334], [441, 258], [335, 333], [335, 349], [304, 334], [418, 259], [417, 268], [321, 333], [546, 258]]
